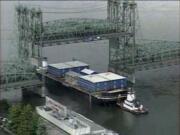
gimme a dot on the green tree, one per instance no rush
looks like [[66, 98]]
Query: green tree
[[4, 105], [24, 121], [41, 130], [14, 113], [25, 126], [35, 122]]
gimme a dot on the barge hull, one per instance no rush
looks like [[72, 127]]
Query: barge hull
[[137, 112]]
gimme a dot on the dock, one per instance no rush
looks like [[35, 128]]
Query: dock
[[51, 128], [65, 121], [54, 130], [95, 128]]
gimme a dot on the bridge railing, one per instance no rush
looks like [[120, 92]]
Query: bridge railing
[[153, 58], [79, 29], [15, 71], [16, 77]]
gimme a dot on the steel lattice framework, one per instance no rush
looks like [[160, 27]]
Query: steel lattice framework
[[29, 28], [77, 30], [20, 69], [16, 71], [125, 55], [119, 28], [123, 47]]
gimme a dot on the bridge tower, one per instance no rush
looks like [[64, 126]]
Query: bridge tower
[[122, 48], [29, 28], [20, 69]]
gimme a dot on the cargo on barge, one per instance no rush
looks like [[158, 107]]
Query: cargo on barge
[[105, 87]]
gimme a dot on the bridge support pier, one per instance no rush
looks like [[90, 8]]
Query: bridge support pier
[[90, 100], [12, 95], [122, 48], [43, 91]]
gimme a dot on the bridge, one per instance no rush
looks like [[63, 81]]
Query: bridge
[[21, 84], [119, 28], [154, 60], [21, 77], [16, 73], [67, 31]]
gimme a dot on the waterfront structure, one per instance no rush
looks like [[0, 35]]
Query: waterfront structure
[[70, 121]]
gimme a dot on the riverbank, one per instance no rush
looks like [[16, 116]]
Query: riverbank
[[5, 131], [2, 132]]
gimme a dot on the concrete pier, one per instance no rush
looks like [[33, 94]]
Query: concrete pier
[[13, 94]]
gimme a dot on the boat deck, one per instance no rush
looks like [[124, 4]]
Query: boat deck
[[95, 129], [52, 129], [64, 119]]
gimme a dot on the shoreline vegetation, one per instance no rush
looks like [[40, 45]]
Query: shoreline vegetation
[[21, 120]]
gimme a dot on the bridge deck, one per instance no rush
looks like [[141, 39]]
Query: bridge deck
[[28, 83], [79, 30], [161, 59]]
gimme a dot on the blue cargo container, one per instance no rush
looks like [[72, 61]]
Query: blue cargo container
[[59, 69], [102, 81], [77, 66], [93, 82], [117, 81], [87, 86]]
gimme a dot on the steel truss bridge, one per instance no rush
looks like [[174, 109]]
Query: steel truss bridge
[[68, 31], [15, 74], [125, 54]]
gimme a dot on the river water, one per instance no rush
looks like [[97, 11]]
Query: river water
[[157, 89]]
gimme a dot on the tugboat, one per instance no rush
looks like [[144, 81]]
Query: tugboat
[[132, 105]]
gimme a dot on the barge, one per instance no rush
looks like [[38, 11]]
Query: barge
[[103, 87], [70, 121]]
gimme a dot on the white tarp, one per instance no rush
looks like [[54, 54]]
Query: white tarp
[[87, 71]]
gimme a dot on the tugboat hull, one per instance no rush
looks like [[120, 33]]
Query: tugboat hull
[[137, 112]]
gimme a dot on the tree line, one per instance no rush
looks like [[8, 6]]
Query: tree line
[[23, 120]]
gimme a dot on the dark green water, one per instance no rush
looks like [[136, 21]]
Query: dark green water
[[157, 89]]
